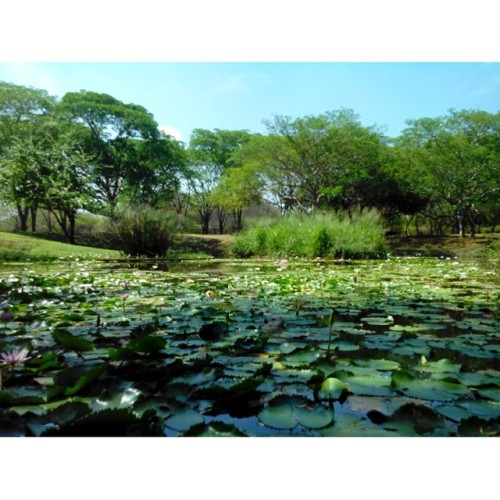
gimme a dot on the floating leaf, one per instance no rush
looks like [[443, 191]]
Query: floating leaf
[[313, 417], [433, 389], [66, 339], [422, 418], [214, 429], [77, 378], [365, 385], [286, 413], [184, 419], [485, 410], [332, 388]]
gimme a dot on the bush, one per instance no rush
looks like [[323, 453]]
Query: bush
[[317, 235], [144, 231]]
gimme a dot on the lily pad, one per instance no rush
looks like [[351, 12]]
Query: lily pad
[[279, 414], [332, 388], [183, 420], [432, 389], [214, 429], [286, 413], [66, 339], [485, 410], [375, 385]]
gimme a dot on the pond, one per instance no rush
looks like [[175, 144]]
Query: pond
[[399, 347]]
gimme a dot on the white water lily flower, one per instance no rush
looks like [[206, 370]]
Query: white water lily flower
[[15, 357]]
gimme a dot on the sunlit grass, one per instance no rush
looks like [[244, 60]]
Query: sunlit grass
[[18, 247], [318, 235]]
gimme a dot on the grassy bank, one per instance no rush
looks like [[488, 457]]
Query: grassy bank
[[18, 247], [319, 235]]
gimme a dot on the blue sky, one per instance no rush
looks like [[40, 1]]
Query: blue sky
[[184, 96]]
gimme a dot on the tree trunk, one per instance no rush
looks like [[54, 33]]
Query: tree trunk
[[33, 211], [48, 220], [237, 214], [23, 217], [222, 218], [72, 224], [460, 224], [408, 225], [205, 213]]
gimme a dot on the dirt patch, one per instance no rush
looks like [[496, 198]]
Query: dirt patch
[[211, 244], [445, 246]]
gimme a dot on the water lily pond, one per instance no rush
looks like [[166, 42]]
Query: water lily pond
[[400, 347]]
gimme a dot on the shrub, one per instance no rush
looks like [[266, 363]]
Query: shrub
[[144, 231], [321, 242], [316, 235]]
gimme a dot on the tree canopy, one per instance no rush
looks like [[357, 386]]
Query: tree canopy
[[90, 151]]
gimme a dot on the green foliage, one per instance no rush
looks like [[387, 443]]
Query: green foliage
[[145, 231], [69, 341], [20, 248], [413, 349], [318, 235]]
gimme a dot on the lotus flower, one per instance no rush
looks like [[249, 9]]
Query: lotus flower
[[15, 357]]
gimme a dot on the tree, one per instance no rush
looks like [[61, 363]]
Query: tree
[[117, 136], [154, 170], [21, 108], [24, 112], [20, 180], [455, 160], [317, 161], [210, 154], [238, 188], [51, 176]]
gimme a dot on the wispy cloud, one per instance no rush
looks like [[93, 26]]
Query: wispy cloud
[[236, 83], [492, 86], [32, 75]]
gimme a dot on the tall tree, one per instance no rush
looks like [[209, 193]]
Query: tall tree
[[316, 161], [238, 188], [155, 169], [24, 112], [21, 108], [113, 130], [455, 160], [51, 175], [210, 154]]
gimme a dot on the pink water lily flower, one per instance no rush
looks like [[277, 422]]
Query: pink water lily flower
[[14, 357]]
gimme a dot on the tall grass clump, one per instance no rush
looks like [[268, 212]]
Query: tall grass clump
[[144, 231], [324, 235]]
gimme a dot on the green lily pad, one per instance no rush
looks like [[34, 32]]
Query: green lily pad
[[300, 358], [441, 366], [119, 400], [315, 417], [279, 414], [66, 339], [378, 364], [332, 388], [286, 413], [492, 393], [183, 420], [485, 410], [214, 429], [365, 385], [420, 417], [432, 389]]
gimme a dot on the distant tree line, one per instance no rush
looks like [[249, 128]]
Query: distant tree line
[[91, 152]]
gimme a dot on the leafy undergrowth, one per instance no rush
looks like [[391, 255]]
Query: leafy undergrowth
[[400, 347]]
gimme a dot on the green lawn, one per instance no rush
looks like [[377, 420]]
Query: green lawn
[[18, 247]]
